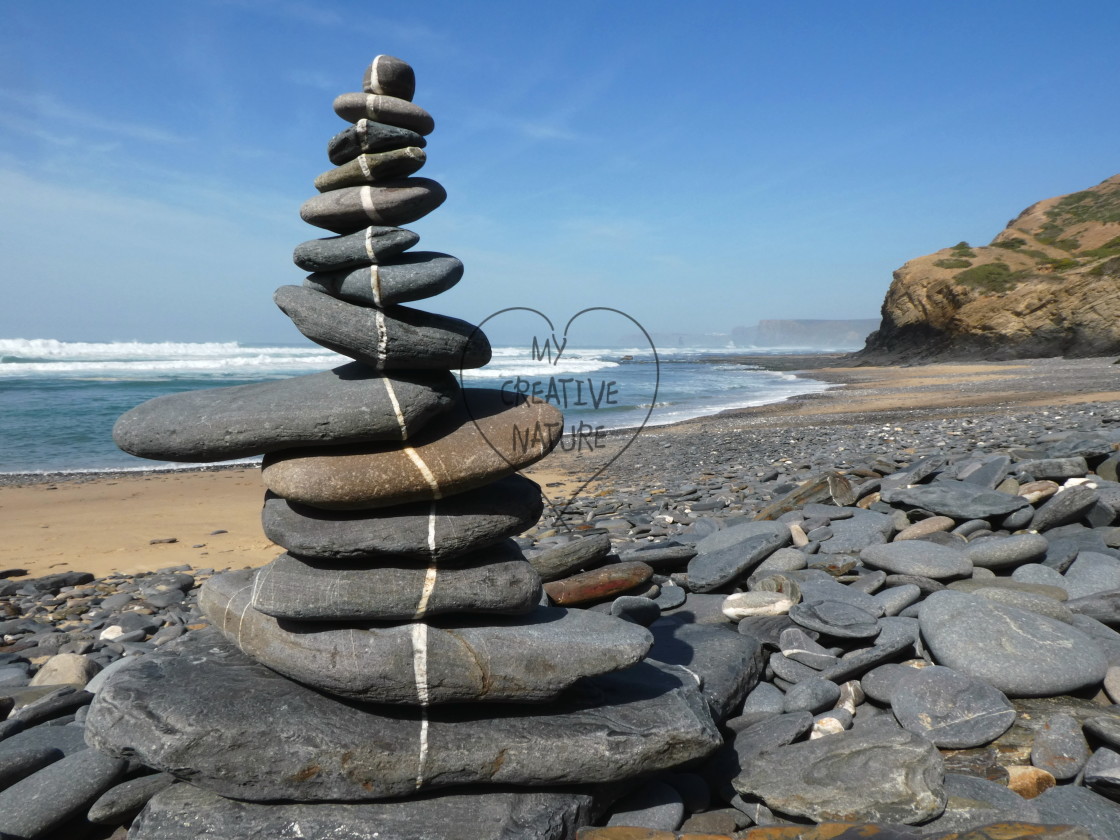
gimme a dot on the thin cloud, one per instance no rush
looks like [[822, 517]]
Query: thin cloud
[[44, 108]]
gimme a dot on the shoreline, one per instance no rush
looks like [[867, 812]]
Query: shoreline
[[104, 522]]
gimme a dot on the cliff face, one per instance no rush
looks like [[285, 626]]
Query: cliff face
[[1047, 285]]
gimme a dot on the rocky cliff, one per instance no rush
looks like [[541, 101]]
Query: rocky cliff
[[1047, 285]]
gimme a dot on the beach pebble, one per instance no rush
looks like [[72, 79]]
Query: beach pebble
[[951, 709], [918, 557]]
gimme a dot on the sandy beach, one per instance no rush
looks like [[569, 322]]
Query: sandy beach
[[132, 522]]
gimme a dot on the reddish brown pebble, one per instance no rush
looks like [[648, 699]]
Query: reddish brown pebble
[[624, 833], [926, 527], [598, 583]]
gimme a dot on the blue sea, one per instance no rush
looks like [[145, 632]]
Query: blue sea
[[59, 400]]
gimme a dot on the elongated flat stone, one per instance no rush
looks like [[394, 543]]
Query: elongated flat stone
[[525, 659], [949, 708], [597, 584], [186, 812], [392, 203], [440, 530], [416, 275], [366, 247], [494, 580], [958, 499], [373, 168], [370, 137], [481, 440], [403, 339], [828, 780], [350, 404], [247, 732], [384, 109], [390, 76]]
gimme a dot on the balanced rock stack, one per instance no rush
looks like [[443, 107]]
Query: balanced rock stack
[[383, 656]]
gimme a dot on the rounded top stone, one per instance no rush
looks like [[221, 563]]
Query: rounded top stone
[[389, 76]]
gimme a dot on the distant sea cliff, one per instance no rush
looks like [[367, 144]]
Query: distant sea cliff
[[1047, 285]]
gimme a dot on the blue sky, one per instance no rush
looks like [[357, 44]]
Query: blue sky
[[700, 166]]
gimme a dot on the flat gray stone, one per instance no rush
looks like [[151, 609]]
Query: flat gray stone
[[811, 695], [1005, 552], [60, 791], [1067, 505], [20, 763], [1029, 601], [727, 663], [370, 246], [384, 109], [1102, 606], [857, 532], [818, 779], [247, 732], [974, 802], [350, 404], [710, 570], [374, 168], [526, 658], [388, 204], [368, 136], [459, 524], [1091, 574], [412, 276], [655, 805], [835, 618], [1020, 653], [958, 499], [560, 561], [1102, 772], [404, 339], [918, 557], [1054, 469], [949, 708], [738, 534], [1073, 805], [1060, 747], [495, 580], [186, 812], [123, 801]]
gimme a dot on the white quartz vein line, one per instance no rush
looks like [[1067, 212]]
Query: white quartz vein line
[[420, 671], [430, 577], [382, 338], [240, 621], [375, 284], [396, 406], [428, 475], [370, 251], [368, 205]]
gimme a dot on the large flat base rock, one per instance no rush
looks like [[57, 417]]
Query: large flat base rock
[[203, 711], [525, 659], [185, 812]]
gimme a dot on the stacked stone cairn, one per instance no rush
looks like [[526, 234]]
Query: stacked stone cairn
[[401, 645]]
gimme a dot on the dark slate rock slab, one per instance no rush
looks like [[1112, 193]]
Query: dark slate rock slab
[[403, 339], [494, 580], [1020, 653], [61, 790], [1091, 574], [949, 708], [1103, 606], [1054, 469], [19, 763], [815, 779], [1060, 747], [958, 499], [66, 739], [1066, 506], [738, 534], [186, 812], [1102, 772], [559, 561], [373, 245], [974, 802], [525, 658], [739, 753], [123, 801], [367, 136], [835, 618], [917, 557], [862, 529], [441, 530], [655, 806], [727, 663], [1073, 805], [710, 570], [350, 404], [412, 276], [244, 731]]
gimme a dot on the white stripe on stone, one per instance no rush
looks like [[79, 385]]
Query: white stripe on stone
[[363, 164], [370, 251], [382, 337], [420, 672], [429, 477], [368, 206], [375, 284], [426, 592], [396, 406]]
